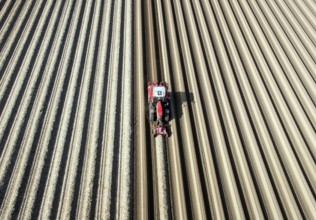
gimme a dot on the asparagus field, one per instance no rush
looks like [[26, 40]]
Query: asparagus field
[[75, 138]]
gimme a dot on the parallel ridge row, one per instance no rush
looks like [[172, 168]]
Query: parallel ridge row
[[242, 75], [66, 109]]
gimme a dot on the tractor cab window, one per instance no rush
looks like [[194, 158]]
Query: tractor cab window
[[159, 91]]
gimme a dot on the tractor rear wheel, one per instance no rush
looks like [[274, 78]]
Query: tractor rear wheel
[[151, 113], [167, 115]]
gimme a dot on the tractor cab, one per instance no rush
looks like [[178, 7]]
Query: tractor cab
[[159, 93], [158, 102]]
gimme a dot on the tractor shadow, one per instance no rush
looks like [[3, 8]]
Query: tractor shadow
[[179, 100]]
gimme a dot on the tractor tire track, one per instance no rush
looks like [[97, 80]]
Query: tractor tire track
[[162, 178]]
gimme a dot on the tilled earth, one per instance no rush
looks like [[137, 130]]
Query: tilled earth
[[75, 140]]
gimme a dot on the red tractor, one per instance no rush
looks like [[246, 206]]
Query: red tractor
[[158, 101]]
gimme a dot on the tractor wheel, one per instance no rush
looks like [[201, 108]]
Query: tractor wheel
[[151, 114], [167, 114]]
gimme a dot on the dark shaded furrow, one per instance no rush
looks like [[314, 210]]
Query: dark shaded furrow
[[256, 175], [21, 28], [75, 139]]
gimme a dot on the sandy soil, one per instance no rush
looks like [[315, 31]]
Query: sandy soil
[[75, 141]]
